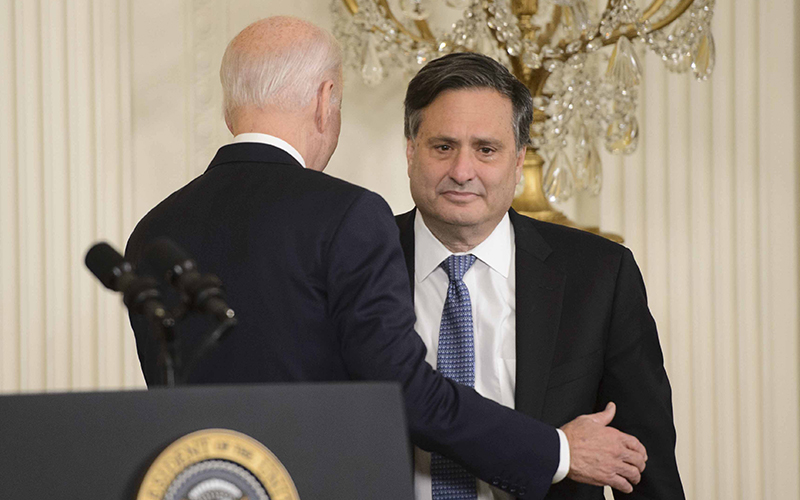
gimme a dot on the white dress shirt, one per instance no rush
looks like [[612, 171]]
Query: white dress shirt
[[272, 141], [491, 282]]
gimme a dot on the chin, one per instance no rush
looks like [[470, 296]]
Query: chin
[[457, 218]]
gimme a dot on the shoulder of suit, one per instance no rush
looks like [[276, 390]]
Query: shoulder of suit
[[322, 189], [569, 239], [284, 168], [341, 197]]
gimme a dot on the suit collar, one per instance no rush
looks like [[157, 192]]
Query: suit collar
[[252, 152], [272, 141]]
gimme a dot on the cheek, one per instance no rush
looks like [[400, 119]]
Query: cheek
[[502, 187], [424, 178], [417, 183]]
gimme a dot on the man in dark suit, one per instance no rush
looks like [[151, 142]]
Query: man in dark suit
[[313, 267], [560, 320]]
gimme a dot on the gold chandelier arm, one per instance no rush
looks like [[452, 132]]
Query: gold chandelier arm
[[422, 26], [551, 27], [352, 6], [679, 9], [425, 31], [630, 31], [539, 78], [517, 68], [654, 7], [390, 16]]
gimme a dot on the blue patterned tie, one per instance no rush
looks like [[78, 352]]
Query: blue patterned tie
[[455, 359]]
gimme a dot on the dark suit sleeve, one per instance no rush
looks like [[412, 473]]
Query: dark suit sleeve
[[635, 379], [371, 305]]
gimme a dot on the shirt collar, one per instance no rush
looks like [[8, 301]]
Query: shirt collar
[[272, 141], [495, 251]]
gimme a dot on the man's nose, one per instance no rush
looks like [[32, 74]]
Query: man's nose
[[463, 168]]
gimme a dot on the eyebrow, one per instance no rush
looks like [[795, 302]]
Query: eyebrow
[[441, 138], [477, 141], [481, 142]]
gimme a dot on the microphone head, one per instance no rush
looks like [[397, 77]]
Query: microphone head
[[107, 264], [168, 259]]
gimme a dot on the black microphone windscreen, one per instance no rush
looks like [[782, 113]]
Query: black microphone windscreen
[[102, 260], [164, 255]]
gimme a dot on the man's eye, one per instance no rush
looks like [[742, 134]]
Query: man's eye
[[487, 150], [443, 147]]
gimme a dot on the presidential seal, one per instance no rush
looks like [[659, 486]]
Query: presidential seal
[[217, 464]]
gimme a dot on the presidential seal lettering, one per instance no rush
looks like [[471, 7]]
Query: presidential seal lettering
[[220, 464]]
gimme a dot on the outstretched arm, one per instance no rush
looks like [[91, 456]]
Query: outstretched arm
[[371, 304]]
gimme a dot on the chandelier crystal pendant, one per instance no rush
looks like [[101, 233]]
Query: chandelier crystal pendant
[[581, 64]]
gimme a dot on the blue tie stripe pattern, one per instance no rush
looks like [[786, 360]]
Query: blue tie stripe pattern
[[455, 359]]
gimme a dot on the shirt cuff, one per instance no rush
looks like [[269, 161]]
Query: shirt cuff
[[563, 460]]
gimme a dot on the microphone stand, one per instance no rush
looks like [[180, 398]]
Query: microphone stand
[[210, 341], [170, 359], [142, 295], [164, 324]]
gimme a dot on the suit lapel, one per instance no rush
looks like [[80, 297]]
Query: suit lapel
[[405, 222], [539, 295]]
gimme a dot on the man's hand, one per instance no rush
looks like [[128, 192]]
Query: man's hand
[[601, 455]]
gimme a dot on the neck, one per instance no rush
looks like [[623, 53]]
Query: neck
[[289, 126], [458, 239]]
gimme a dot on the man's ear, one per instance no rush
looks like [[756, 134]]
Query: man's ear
[[520, 163], [322, 113]]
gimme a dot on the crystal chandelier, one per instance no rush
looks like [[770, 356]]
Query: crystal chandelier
[[580, 63]]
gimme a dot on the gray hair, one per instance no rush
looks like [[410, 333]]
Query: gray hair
[[466, 70], [287, 78]]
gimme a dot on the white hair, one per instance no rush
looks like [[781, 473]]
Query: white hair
[[287, 78]]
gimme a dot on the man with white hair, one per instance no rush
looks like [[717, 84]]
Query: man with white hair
[[314, 269]]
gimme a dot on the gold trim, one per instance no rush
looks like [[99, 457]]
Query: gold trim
[[654, 7], [351, 5], [400, 27], [630, 31], [217, 444]]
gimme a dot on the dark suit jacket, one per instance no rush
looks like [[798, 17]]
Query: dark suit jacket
[[586, 337], [313, 267]]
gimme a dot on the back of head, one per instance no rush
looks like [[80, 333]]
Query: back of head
[[277, 62], [463, 71]]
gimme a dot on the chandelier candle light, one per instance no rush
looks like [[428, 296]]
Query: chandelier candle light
[[580, 63]]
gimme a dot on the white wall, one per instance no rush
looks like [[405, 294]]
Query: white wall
[[108, 106]]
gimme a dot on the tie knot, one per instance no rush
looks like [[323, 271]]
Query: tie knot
[[457, 265]]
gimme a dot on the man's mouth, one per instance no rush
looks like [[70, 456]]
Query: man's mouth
[[459, 196]]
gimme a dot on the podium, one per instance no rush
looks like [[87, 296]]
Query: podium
[[335, 440]]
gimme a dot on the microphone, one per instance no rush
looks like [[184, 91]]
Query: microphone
[[203, 291], [140, 294]]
